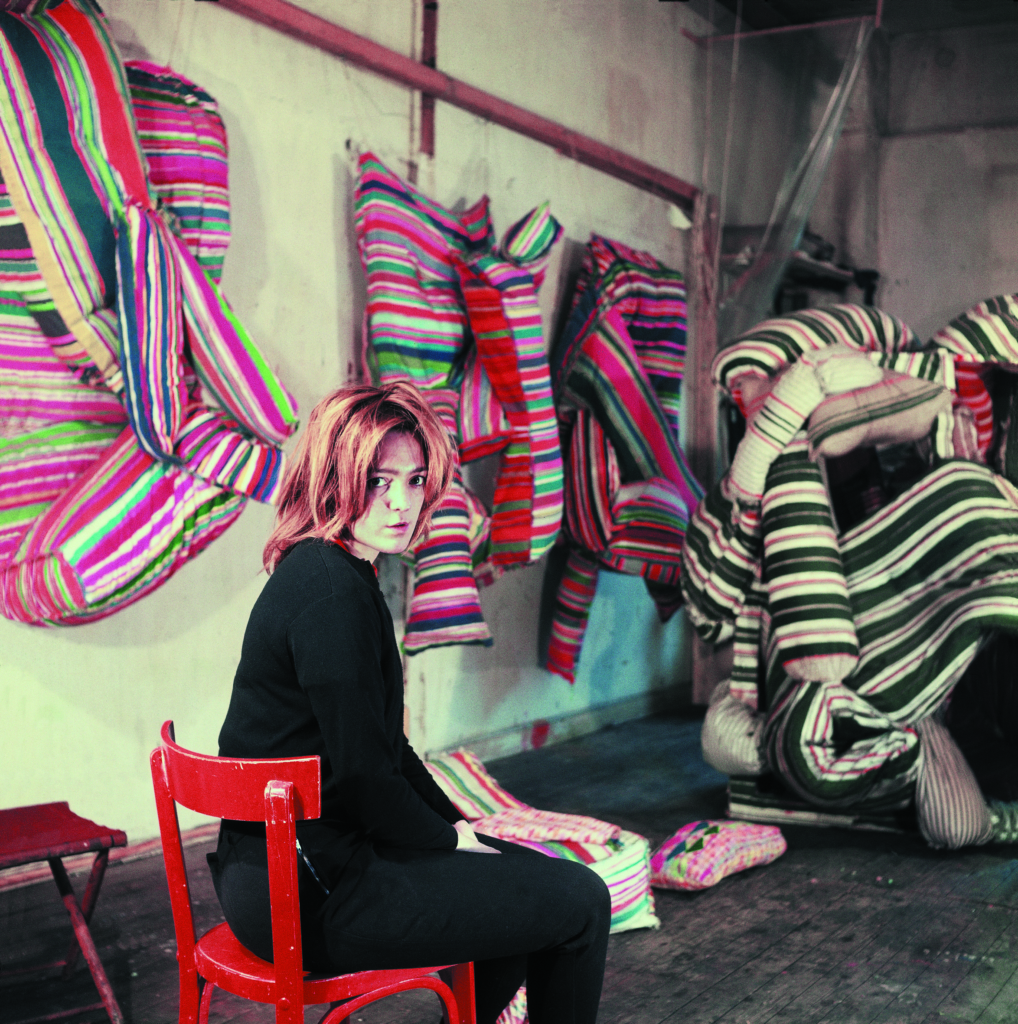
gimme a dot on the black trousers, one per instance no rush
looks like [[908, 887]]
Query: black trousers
[[519, 917]]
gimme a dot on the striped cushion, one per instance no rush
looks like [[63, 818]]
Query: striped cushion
[[701, 853], [530, 823], [473, 792], [415, 319], [622, 860], [898, 408], [624, 865]]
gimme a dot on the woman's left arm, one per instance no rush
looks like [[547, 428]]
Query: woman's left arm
[[420, 778]]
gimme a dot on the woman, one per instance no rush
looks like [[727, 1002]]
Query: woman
[[387, 878]]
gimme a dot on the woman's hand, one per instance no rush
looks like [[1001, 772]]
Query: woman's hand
[[468, 842]]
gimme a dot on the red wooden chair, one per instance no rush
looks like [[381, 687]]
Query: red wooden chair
[[279, 792]]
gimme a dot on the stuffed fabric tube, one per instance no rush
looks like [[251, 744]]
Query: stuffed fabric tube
[[129, 309], [807, 596]]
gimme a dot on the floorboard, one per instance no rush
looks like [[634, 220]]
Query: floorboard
[[846, 928]]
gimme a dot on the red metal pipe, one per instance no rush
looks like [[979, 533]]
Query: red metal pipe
[[429, 54], [326, 35]]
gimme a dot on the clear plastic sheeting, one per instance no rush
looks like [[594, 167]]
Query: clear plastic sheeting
[[789, 93]]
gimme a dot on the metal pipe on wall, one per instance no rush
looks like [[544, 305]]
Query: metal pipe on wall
[[325, 35]]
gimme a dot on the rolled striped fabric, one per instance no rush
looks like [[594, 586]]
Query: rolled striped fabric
[[629, 492], [445, 607], [721, 558], [96, 280], [573, 601], [927, 576], [38, 466], [120, 531], [986, 333], [811, 617], [184, 141], [776, 343], [501, 300]]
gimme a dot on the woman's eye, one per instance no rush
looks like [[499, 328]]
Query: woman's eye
[[419, 480], [376, 482]]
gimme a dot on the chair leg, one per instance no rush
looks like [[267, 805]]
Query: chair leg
[[463, 989], [206, 1002], [84, 937], [88, 901]]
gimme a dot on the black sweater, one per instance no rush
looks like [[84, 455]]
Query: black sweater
[[320, 673]]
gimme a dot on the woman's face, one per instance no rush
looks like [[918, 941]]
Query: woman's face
[[395, 497]]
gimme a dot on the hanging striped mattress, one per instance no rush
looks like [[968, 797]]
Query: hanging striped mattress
[[457, 315], [136, 415], [628, 489]]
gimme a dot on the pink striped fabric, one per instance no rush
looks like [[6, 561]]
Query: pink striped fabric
[[94, 516], [446, 310]]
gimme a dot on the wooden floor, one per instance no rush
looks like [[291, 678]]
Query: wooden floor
[[847, 927]]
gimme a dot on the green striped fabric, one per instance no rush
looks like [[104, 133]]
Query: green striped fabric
[[988, 332], [898, 408], [776, 343], [927, 576], [807, 597]]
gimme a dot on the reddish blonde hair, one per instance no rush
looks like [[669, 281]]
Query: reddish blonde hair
[[325, 489]]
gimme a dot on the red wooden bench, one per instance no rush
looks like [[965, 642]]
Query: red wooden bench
[[50, 832]]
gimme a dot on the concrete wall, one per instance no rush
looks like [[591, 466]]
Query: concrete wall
[[80, 708], [924, 186]]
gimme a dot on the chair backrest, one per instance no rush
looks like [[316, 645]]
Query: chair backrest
[[278, 791]]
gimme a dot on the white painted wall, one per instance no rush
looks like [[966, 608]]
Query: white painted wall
[[80, 708]]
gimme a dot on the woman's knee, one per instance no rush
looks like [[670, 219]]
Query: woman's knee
[[588, 899]]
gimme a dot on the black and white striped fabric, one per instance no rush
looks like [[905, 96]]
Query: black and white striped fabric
[[949, 805], [927, 576]]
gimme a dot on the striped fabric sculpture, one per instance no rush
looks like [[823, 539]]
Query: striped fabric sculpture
[[629, 492], [136, 415], [621, 858], [847, 644], [458, 316]]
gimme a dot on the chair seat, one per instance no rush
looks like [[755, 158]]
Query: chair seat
[[222, 960]]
